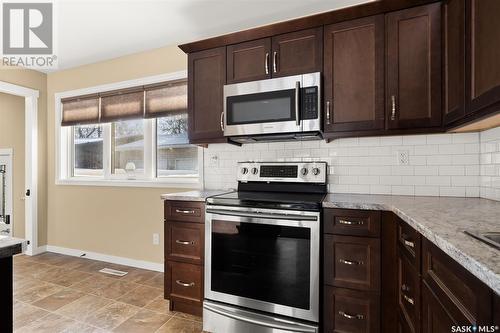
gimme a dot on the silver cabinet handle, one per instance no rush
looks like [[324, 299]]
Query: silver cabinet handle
[[184, 211], [351, 222], [184, 284], [409, 299], [267, 63], [351, 316], [328, 122], [297, 96], [405, 287], [178, 241], [222, 121], [409, 243], [393, 108], [275, 62], [350, 262]]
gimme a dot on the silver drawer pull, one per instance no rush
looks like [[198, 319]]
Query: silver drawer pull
[[405, 287], [350, 316], [184, 284], [409, 243], [346, 222], [350, 262], [409, 299], [178, 241], [184, 211]]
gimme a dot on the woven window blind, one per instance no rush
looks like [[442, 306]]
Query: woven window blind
[[166, 99], [80, 110], [153, 101]]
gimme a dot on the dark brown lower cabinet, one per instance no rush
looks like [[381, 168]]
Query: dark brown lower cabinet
[[184, 255], [353, 311], [435, 318]]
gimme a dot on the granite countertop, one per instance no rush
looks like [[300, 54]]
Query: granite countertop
[[442, 220], [10, 246], [192, 195]]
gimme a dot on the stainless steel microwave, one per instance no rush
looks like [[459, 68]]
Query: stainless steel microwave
[[286, 106]]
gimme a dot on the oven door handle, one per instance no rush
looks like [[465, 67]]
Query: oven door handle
[[294, 217], [288, 327]]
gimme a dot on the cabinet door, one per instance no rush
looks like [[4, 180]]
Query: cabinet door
[[297, 52], [354, 75], [413, 98], [483, 35], [435, 318], [249, 61], [206, 79], [453, 60]]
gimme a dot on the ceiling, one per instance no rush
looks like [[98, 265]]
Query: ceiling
[[89, 31]]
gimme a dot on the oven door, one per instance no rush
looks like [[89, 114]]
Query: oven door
[[263, 259], [262, 107]]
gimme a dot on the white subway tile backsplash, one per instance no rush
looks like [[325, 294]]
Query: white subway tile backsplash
[[490, 164], [458, 164]]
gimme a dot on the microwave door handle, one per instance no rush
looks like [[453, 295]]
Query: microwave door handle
[[297, 96]]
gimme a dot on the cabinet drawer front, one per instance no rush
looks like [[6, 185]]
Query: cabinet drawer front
[[409, 241], [185, 242], [352, 222], [466, 298], [185, 281], [350, 311], [408, 292], [352, 262], [185, 211]]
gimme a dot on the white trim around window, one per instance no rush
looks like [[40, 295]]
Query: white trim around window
[[64, 150]]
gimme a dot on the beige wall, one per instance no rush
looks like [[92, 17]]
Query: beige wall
[[12, 136], [38, 81], [117, 221]]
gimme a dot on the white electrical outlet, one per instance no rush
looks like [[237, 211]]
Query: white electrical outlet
[[156, 239], [213, 161], [403, 157]]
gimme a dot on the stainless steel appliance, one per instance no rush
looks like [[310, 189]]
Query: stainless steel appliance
[[262, 250], [274, 109]]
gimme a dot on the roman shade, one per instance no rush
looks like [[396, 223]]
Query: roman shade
[[151, 101], [166, 99], [122, 104], [80, 110]]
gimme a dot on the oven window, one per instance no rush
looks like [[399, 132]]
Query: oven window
[[261, 107], [263, 262]]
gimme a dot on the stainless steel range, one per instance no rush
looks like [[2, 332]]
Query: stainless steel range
[[262, 250]]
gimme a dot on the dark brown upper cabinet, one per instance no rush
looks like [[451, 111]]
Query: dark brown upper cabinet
[[297, 52], [249, 61], [483, 65], [354, 75], [206, 79], [288, 54], [413, 64], [453, 60]]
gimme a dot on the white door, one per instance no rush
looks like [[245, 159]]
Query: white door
[[6, 195]]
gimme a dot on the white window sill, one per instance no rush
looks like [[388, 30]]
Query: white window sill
[[190, 183]]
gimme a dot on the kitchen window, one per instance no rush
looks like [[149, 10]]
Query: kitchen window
[[135, 136]]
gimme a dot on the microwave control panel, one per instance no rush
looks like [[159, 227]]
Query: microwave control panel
[[309, 103]]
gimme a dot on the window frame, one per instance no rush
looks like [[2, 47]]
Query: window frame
[[65, 149]]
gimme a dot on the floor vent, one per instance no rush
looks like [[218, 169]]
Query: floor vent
[[113, 272]]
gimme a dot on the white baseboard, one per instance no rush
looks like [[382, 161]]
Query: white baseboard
[[102, 257]]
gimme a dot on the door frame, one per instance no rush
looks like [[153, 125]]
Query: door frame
[[31, 163], [8, 154]]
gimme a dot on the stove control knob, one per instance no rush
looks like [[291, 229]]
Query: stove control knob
[[244, 170], [255, 171], [315, 171], [304, 171]]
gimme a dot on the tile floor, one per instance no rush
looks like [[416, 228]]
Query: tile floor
[[57, 293]]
